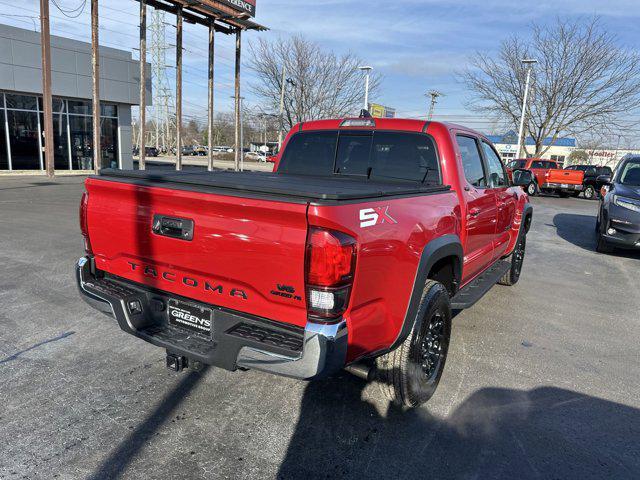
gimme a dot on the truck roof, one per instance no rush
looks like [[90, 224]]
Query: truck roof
[[400, 124]]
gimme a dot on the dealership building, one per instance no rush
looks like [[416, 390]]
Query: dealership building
[[507, 145], [21, 110]]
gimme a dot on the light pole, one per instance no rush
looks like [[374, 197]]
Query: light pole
[[285, 81], [367, 72], [529, 63]]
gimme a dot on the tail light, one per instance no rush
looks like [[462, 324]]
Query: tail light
[[330, 267], [84, 226]]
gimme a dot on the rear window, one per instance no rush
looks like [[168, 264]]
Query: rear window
[[517, 164], [380, 155]]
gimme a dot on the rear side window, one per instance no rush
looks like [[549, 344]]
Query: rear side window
[[471, 161], [310, 153]]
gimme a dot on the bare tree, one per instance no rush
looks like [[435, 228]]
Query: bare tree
[[321, 84], [583, 81]]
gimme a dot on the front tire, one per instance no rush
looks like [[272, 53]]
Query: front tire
[[603, 246], [517, 259], [409, 375], [532, 189]]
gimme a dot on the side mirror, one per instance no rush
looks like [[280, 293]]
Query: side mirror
[[522, 178], [606, 179]]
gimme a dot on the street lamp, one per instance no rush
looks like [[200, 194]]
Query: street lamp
[[529, 65], [367, 72]]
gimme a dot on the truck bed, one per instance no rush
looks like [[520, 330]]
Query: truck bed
[[286, 187]]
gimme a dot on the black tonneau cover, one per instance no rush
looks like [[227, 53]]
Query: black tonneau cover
[[302, 187]]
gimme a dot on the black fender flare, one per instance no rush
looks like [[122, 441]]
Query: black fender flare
[[434, 251], [527, 217]]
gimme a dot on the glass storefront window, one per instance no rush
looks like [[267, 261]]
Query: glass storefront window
[[4, 158], [60, 141], [109, 141], [23, 138], [58, 104], [108, 110], [80, 107], [72, 129], [81, 142], [21, 102]]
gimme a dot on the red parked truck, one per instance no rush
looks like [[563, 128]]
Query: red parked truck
[[549, 177], [351, 255]]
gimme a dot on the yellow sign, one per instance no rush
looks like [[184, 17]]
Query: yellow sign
[[377, 111]]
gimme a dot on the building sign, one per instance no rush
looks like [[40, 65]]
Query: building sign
[[380, 111], [245, 6]]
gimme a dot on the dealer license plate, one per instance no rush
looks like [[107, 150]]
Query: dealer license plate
[[564, 185], [190, 317]]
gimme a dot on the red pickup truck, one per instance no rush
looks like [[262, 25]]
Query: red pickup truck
[[353, 254], [549, 178]]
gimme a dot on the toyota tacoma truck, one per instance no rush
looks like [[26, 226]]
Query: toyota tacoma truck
[[549, 178], [351, 255]]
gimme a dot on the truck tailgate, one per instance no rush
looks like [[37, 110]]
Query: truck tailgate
[[568, 177], [243, 255]]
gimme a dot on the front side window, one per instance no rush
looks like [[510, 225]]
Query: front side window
[[471, 161], [537, 164], [497, 177]]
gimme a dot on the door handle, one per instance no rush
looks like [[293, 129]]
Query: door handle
[[173, 227], [474, 212]]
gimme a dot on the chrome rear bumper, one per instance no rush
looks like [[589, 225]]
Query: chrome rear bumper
[[323, 347]]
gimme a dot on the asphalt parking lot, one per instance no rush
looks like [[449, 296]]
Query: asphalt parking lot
[[542, 379]]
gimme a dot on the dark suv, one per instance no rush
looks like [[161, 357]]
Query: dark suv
[[592, 179], [618, 223]]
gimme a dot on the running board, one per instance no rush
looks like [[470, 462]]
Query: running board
[[477, 289]]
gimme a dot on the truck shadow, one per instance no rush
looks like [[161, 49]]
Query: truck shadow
[[580, 231], [120, 458], [495, 433]]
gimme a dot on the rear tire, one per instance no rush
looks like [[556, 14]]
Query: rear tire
[[589, 192], [517, 259], [409, 375]]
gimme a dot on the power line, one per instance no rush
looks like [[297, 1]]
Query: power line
[[73, 13]]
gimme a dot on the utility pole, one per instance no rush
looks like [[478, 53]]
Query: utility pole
[[529, 64], [239, 133], [95, 63], [143, 83], [45, 40], [210, 112], [434, 99], [179, 89], [282, 92], [367, 72], [239, 153]]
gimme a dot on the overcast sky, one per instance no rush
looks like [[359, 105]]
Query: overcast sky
[[417, 45]]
